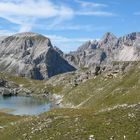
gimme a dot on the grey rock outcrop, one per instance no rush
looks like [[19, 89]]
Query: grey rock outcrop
[[6, 92], [31, 55], [7, 88], [128, 48], [58, 50], [106, 50], [3, 82]]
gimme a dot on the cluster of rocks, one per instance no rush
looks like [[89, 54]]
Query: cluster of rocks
[[5, 88], [81, 77], [109, 71], [8, 92], [8, 88]]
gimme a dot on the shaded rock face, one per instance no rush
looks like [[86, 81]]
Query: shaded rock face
[[5, 92], [7, 88], [109, 48], [58, 50], [2, 82], [31, 55]]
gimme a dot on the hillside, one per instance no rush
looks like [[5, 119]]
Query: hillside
[[106, 106]]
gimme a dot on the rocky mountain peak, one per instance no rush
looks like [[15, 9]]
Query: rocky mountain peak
[[25, 45], [109, 48], [133, 35], [31, 55], [32, 36], [107, 37], [129, 39], [84, 46], [29, 34], [108, 41]]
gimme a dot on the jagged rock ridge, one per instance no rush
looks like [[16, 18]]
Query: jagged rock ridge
[[31, 55], [109, 48]]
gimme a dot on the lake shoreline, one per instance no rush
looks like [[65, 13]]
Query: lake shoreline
[[6, 110], [24, 105]]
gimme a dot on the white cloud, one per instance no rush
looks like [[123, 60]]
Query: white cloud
[[32, 8], [23, 12], [74, 27], [92, 9], [94, 13], [90, 4]]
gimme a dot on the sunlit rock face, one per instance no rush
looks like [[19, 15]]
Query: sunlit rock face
[[109, 48], [31, 55], [129, 48]]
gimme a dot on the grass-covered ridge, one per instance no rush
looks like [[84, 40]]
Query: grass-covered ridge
[[105, 92]]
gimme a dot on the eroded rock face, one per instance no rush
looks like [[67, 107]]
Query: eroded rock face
[[31, 55], [109, 48], [128, 48], [2, 82], [5, 92], [7, 88]]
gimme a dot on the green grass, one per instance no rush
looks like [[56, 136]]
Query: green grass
[[6, 119], [101, 92], [78, 124], [94, 112]]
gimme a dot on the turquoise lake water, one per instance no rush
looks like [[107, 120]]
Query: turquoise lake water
[[24, 105]]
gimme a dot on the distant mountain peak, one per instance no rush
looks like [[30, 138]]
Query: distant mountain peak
[[29, 34], [84, 46], [108, 36], [106, 50], [132, 36]]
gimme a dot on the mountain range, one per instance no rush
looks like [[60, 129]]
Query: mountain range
[[32, 55], [96, 88], [109, 48]]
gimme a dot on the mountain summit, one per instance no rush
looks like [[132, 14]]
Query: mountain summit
[[31, 55], [109, 48]]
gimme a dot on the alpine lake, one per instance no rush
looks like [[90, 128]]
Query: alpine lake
[[22, 105]]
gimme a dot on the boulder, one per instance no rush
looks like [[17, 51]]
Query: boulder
[[5, 92]]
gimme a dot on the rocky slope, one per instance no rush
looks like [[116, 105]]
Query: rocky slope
[[106, 50], [105, 103], [31, 55]]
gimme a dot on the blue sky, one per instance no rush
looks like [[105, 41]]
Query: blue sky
[[69, 23]]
